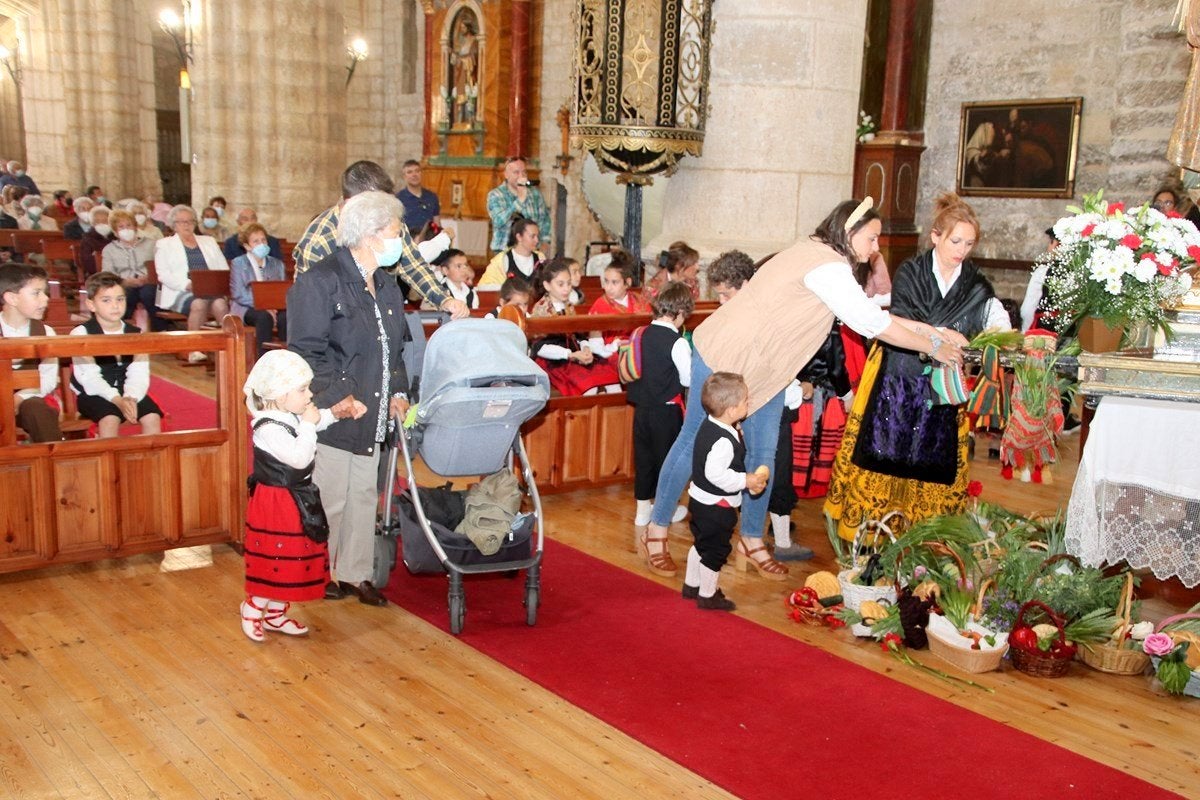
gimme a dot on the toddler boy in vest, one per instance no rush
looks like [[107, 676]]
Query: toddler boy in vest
[[23, 302], [515, 291], [657, 396], [112, 389], [718, 478]]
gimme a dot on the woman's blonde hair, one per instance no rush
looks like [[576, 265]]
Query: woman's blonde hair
[[949, 210]]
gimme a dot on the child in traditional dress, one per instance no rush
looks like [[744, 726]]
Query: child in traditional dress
[[516, 292], [576, 270], [457, 276], [572, 367], [718, 478], [286, 530], [657, 399]]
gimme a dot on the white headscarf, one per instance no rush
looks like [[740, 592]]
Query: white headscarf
[[274, 375]]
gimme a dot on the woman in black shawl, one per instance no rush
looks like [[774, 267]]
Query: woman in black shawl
[[906, 439]]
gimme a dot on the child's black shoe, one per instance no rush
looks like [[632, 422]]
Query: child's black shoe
[[690, 592], [718, 602]]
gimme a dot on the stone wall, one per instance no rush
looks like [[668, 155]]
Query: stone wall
[[1122, 56], [12, 142], [779, 144]]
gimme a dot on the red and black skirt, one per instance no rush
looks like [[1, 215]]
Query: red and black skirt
[[282, 563]]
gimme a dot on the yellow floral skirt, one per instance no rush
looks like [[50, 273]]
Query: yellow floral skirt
[[857, 494]]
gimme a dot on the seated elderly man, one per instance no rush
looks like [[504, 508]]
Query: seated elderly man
[[35, 218], [76, 228], [16, 177], [233, 245]]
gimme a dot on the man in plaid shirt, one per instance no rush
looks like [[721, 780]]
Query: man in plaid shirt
[[320, 239], [515, 196]]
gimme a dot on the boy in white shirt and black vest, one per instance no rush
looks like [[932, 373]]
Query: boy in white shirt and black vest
[[718, 478], [112, 389]]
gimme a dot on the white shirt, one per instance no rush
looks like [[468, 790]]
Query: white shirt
[[429, 251], [717, 472], [1033, 295], [556, 352], [997, 317], [47, 369], [460, 291], [296, 451], [834, 284], [87, 373]]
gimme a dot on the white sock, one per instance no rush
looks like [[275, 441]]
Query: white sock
[[692, 576], [644, 507], [257, 605], [612, 388], [680, 513], [708, 580], [592, 391], [781, 527]]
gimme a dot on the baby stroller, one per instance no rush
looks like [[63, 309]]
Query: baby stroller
[[478, 386]]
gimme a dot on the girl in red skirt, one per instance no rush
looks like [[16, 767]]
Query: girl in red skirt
[[571, 365], [286, 530]]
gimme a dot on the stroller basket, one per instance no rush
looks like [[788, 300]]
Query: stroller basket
[[420, 558]]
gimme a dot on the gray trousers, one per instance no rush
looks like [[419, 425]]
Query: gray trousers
[[350, 494]]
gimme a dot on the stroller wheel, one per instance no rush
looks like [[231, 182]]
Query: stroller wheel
[[458, 614], [531, 605]]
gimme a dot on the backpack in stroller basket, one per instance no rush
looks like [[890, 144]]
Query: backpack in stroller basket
[[420, 558], [478, 387]]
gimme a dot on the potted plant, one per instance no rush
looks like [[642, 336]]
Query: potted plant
[[1114, 268]]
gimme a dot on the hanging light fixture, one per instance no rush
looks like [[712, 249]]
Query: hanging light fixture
[[641, 90]]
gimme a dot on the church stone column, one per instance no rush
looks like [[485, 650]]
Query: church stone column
[[268, 111], [779, 143], [89, 96]]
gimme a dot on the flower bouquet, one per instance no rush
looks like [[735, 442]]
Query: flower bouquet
[[866, 127], [1119, 266], [1174, 648]]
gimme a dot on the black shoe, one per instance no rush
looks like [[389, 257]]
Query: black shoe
[[367, 594], [1071, 426], [690, 592], [718, 602], [334, 591]]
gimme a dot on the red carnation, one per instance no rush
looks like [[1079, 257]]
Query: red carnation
[[1132, 241], [891, 642], [1165, 269], [1173, 214], [1088, 230], [974, 489], [1194, 252], [1113, 208]]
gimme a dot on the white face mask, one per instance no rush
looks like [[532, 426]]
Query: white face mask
[[85, 217], [140, 219], [127, 234], [104, 229]]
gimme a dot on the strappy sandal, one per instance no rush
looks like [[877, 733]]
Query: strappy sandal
[[252, 621], [277, 620], [767, 567], [659, 563]]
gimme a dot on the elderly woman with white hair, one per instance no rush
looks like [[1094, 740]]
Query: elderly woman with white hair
[[176, 256], [346, 318], [34, 218]]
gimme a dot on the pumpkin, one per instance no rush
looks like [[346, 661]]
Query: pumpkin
[[825, 584]]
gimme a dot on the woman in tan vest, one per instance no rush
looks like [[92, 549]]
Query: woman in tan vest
[[766, 333]]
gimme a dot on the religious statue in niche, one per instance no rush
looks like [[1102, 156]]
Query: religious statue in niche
[[462, 99]]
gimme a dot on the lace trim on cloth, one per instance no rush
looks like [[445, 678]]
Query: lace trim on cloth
[[1109, 522]]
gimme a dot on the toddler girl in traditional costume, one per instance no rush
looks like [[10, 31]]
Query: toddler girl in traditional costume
[[286, 530]]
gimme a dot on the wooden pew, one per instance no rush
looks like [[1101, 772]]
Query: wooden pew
[[271, 296], [73, 501], [209, 283], [59, 251]]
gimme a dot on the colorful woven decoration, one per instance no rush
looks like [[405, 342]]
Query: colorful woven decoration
[[989, 402], [1029, 438]]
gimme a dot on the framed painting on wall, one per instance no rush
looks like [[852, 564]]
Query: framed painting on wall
[[1019, 148]]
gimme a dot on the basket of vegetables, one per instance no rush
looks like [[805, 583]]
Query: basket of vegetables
[[864, 579], [956, 636], [1045, 650], [1121, 654]]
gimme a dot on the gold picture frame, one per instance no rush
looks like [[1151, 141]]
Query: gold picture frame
[[1019, 148]]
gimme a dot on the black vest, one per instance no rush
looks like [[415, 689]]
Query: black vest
[[708, 435], [112, 368], [660, 379], [270, 471]]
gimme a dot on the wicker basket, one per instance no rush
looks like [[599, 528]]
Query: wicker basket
[[943, 640], [1040, 665], [853, 594], [1110, 656]]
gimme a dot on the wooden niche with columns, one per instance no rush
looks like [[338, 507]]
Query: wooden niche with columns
[[482, 73]]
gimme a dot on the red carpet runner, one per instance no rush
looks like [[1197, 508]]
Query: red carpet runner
[[817, 724]]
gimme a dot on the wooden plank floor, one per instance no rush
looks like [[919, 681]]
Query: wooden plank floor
[[119, 679]]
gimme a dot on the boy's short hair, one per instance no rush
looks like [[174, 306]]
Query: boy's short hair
[[444, 257], [100, 281], [674, 299], [14, 277], [722, 391], [732, 268], [514, 285]]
